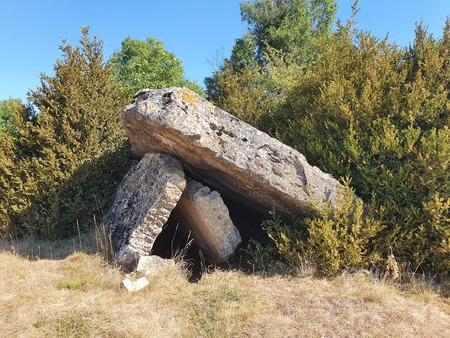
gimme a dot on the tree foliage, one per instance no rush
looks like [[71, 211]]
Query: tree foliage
[[289, 26], [279, 32], [10, 181], [7, 109], [69, 151], [146, 64]]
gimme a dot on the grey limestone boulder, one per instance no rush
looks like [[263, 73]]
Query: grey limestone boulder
[[143, 203], [241, 162]]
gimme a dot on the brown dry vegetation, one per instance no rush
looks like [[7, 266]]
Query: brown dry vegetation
[[81, 296]]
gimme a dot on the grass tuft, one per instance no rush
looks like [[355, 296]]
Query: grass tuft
[[71, 325]]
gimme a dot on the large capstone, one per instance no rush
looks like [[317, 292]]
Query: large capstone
[[204, 216], [242, 163], [143, 203]]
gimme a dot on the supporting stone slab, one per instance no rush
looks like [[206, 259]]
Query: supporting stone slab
[[203, 213], [144, 201]]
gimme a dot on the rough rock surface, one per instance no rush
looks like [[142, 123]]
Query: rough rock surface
[[152, 265], [144, 201], [135, 285], [225, 153], [203, 213]]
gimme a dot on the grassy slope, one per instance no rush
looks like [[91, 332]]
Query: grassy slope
[[81, 296]]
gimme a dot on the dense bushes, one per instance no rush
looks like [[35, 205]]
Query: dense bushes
[[334, 239], [60, 165], [381, 115], [366, 109]]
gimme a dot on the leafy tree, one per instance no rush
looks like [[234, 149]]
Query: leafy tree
[[241, 86], [281, 32], [289, 26], [146, 64], [7, 108], [243, 55], [248, 95], [68, 157]]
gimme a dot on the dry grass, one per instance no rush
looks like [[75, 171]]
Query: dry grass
[[81, 296]]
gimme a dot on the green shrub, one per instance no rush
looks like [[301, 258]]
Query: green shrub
[[336, 238], [66, 153]]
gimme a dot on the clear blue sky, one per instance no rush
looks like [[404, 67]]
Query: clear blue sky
[[196, 31]]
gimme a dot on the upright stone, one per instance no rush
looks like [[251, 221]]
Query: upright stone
[[144, 201], [239, 161], [203, 213]]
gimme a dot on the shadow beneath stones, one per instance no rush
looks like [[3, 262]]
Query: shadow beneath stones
[[249, 223], [173, 242]]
